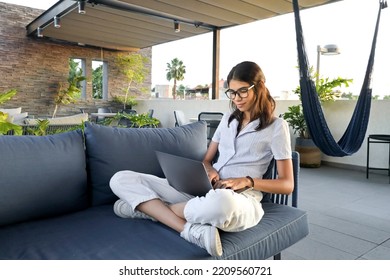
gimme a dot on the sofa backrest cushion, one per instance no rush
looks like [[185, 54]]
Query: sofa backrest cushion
[[41, 176], [19, 118], [111, 149], [12, 111]]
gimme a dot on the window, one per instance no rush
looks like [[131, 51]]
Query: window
[[99, 80], [77, 68]]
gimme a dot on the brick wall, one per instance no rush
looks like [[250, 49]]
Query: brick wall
[[34, 67]]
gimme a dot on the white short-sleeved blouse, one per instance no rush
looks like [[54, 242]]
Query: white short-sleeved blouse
[[250, 152]]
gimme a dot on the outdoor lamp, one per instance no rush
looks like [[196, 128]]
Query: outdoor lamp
[[331, 49], [57, 22], [39, 32], [176, 25], [82, 7]]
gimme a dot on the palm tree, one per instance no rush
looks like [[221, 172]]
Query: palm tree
[[175, 70]]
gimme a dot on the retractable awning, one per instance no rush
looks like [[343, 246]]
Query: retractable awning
[[130, 25], [135, 24]]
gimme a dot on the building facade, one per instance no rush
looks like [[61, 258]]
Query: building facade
[[36, 66]]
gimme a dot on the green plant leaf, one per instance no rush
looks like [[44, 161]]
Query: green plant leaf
[[134, 68], [326, 90], [5, 125], [7, 95], [136, 120]]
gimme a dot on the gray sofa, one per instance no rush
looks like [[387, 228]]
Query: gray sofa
[[56, 203]]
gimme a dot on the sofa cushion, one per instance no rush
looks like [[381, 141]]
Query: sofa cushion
[[15, 115], [41, 176], [112, 149], [12, 111], [97, 233], [19, 118]]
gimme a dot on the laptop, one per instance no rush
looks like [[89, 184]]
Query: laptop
[[184, 174]]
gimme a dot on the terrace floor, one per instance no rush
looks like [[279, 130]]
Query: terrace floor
[[349, 215]]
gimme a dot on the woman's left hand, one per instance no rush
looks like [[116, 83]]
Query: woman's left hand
[[233, 183]]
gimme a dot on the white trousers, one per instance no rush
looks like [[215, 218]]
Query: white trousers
[[222, 208]]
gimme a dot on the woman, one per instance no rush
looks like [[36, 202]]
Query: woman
[[246, 140]]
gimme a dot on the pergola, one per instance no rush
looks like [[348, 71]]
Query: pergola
[[130, 25]]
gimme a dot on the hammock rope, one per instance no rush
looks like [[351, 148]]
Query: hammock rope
[[354, 135]]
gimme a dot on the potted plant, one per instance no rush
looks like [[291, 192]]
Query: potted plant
[[5, 125], [42, 128], [134, 120], [310, 154], [128, 103]]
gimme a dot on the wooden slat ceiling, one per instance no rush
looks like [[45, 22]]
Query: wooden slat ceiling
[[137, 24]]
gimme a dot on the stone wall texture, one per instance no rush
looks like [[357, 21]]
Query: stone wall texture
[[35, 66]]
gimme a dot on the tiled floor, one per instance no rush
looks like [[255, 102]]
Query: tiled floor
[[349, 215]]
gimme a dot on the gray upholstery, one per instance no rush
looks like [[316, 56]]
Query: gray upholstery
[[96, 233], [44, 195], [41, 176], [111, 149]]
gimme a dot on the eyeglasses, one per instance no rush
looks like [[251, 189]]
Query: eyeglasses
[[241, 92]]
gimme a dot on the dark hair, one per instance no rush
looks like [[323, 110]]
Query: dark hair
[[264, 107]]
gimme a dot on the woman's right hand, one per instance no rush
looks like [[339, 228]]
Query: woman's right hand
[[213, 175], [207, 161]]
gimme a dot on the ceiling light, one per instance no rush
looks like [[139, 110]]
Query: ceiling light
[[82, 7], [57, 22], [39, 32], [176, 25]]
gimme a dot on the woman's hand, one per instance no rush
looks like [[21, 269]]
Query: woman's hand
[[212, 174], [207, 161], [234, 184]]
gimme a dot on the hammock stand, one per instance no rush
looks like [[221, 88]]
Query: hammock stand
[[354, 135]]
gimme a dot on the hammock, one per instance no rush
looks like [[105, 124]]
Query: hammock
[[355, 133]]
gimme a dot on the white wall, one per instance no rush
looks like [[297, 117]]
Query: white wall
[[338, 115]]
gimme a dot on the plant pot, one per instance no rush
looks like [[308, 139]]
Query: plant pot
[[310, 154]]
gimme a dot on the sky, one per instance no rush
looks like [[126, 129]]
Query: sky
[[271, 43]]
